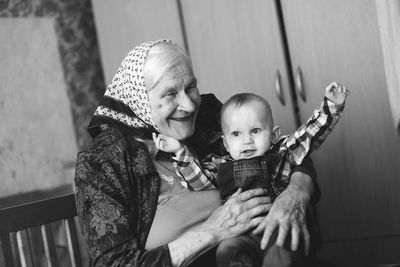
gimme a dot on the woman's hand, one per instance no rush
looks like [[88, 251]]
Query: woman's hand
[[239, 214], [288, 214]]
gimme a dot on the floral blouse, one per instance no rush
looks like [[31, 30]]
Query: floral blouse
[[117, 193]]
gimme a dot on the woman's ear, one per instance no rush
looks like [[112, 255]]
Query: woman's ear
[[276, 133], [225, 143]]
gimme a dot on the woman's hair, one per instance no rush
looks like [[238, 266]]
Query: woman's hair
[[160, 58]]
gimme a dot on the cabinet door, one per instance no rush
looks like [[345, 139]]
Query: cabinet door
[[123, 24], [236, 47], [359, 165]]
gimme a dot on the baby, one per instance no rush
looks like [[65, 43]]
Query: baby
[[249, 133], [258, 155]]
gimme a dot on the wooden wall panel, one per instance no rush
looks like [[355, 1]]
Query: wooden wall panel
[[236, 47], [359, 165], [362, 253]]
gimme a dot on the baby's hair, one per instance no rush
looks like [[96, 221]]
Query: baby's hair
[[160, 58], [241, 99]]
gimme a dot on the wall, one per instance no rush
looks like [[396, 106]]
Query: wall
[[51, 82]]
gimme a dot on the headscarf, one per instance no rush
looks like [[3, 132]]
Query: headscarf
[[125, 103]]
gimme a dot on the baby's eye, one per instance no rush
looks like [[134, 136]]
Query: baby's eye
[[236, 133], [256, 130]]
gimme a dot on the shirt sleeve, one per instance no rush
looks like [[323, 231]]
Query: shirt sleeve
[[108, 212], [188, 167], [309, 136]]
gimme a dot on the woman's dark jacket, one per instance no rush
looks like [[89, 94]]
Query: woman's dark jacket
[[118, 188]]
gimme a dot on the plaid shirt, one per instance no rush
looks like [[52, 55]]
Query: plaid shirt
[[292, 148], [190, 172]]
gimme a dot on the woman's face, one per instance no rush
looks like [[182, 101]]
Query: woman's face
[[174, 101]]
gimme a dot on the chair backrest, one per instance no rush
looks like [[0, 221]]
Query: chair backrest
[[31, 233]]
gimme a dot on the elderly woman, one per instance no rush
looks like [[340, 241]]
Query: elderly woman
[[134, 209]]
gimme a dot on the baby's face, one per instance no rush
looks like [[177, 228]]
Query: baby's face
[[247, 130]]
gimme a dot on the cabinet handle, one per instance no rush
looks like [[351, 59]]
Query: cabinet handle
[[278, 88], [299, 84]]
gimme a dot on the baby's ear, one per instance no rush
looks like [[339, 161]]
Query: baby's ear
[[276, 133], [225, 143]]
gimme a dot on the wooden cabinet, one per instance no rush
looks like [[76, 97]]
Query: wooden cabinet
[[359, 165], [236, 46]]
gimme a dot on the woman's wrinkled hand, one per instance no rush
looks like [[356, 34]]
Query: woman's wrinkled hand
[[240, 213], [288, 215]]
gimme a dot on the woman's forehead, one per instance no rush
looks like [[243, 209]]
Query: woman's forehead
[[176, 75]]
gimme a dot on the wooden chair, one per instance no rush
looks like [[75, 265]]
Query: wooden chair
[[27, 229]]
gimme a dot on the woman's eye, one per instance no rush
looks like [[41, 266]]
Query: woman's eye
[[256, 130], [171, 93], [235, 134], [191, 88]]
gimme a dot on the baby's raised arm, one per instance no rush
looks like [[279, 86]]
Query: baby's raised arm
[[313, 133]]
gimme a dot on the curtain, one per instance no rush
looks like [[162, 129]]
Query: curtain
[[388, 12]]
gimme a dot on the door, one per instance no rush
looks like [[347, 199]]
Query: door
[[236, 47], [359, 165]]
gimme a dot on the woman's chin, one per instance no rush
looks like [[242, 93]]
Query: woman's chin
[[182, 135], [181, 130]]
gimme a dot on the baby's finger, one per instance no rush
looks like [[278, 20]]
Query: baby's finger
[[156, 140], [332, 86], [163, 144], [161, 136], [159, 142], [346, 91], [154, 135]]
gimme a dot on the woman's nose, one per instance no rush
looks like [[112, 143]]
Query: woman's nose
[[186, 103]]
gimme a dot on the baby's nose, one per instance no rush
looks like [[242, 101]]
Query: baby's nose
[[248, 138]]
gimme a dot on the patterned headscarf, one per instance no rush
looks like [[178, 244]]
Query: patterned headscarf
[[125, 101]]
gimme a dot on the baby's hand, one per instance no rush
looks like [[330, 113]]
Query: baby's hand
[[166, 143], [336, 93]]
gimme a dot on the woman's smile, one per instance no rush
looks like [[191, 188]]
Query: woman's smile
[[183, 119]]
